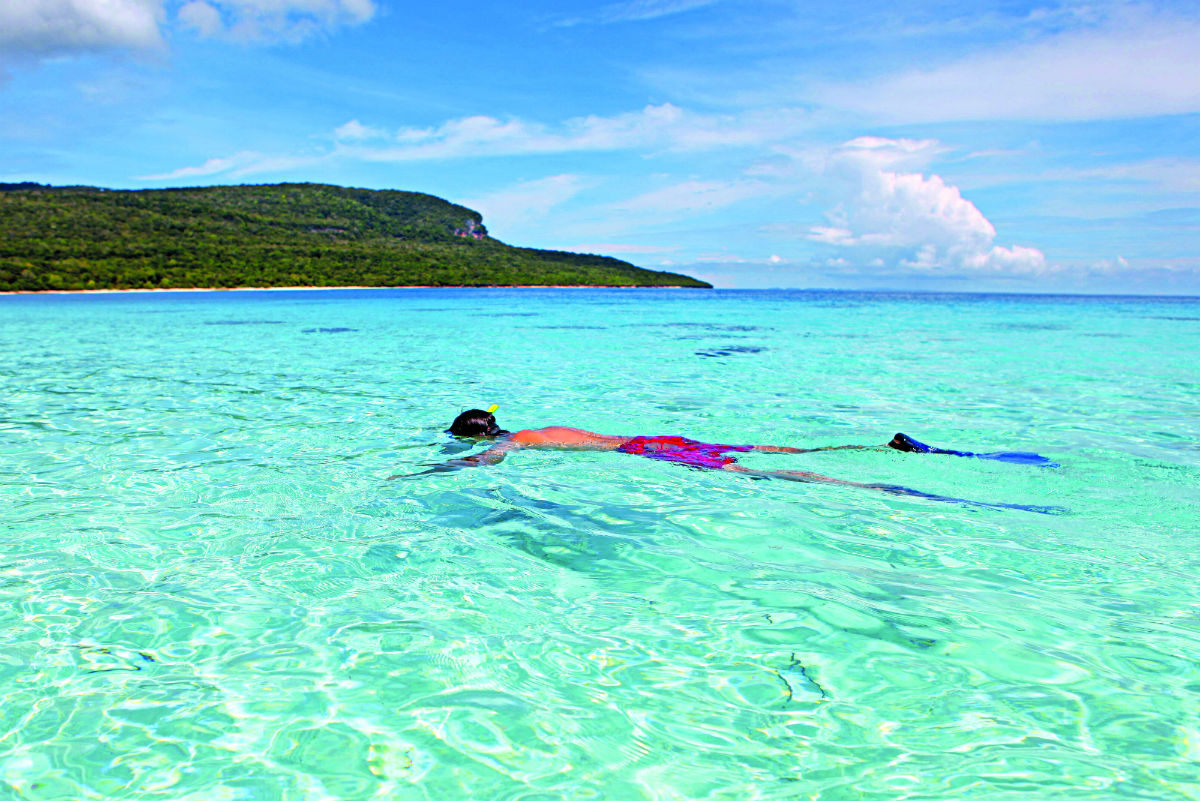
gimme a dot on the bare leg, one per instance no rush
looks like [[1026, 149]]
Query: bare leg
[[890, 489], [793, 475], [784, 449]]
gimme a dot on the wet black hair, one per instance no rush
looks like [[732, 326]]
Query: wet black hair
[[475, 423]]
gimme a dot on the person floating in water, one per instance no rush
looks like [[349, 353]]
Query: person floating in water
[[481, 425]]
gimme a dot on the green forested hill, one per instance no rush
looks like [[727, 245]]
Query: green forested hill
[[275, 235]]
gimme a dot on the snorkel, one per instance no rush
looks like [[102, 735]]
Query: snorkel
[[494, 430]]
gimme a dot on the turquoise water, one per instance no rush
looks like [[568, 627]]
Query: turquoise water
[[211, 590]]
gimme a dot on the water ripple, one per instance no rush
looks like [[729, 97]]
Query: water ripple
[[211, 591]]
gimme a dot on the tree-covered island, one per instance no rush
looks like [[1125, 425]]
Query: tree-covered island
[[64, 238]]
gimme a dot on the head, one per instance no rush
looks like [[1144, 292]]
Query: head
[[475, 423]]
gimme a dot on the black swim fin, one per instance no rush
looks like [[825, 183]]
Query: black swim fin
[[903, 442]]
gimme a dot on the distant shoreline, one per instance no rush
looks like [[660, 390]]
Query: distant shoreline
[[273, 236], [293, 288]]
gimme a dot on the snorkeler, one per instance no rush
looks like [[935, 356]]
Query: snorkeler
[[481, 424]]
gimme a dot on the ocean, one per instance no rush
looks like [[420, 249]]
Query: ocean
[[213, 589]]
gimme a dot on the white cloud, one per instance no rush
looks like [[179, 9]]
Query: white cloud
[[924, 220], [1132, 65], [210, 167], [665, 126], [636, 11], [258, 20], [46, 28], [201, 17], [693, 197], [1167, 174], [37, 29], [879, 152], [521, 202], [355, 131], [617, 247]]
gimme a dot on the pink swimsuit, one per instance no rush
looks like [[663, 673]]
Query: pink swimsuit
[[684, 451]]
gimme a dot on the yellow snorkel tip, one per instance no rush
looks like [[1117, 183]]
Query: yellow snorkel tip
[[492, 409]]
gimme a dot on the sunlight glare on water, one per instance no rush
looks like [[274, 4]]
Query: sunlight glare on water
[[212, 590]]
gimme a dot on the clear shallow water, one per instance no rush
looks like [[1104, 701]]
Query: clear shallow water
[[211, 591]]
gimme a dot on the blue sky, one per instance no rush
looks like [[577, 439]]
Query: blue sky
[[1020, 146]]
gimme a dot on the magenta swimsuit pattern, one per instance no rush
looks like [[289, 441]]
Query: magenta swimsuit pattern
[[684, 451]]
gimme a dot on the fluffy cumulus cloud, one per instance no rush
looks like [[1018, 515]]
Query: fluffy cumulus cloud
[[924, 224], [37, 29], [47, 28]]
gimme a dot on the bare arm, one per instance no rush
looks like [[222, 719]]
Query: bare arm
[[492, 455]]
